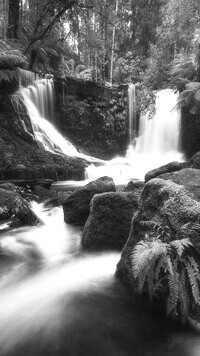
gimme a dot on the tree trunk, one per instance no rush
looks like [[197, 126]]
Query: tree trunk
[[113, 44], [13, 19]]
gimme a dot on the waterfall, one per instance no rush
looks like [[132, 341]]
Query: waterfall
[[38, 99], [157, 143], [26, 77], [160, 135], [132, 113]]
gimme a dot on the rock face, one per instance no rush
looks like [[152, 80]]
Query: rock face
[[22, 157], [190, 131], [15, 208], [172, 201], [109, 222], [93, 117], [194, 161], [77, 205]]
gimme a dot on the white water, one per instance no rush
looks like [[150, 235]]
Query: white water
[[39, 102], [132, 112], [56, 301], [30, 302], [157, 144]]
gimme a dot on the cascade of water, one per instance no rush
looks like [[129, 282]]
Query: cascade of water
[[26, 77], [132, 113], [157, 144], [39, 102], [160, 135]]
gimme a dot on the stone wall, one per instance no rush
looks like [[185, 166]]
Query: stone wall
[[93, 117]]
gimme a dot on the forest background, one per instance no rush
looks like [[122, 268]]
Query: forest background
[[154, 43]]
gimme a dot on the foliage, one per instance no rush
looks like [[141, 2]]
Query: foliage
[[190, 97], [68, 68], [10, 58], [166, 268], [9, 76], [129, 69]]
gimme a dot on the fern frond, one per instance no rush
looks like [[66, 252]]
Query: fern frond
[[183, 295], [193, 283], [8, 75], [173, 282], [163, 261], [181, 245], [146, 251], [194, 266]]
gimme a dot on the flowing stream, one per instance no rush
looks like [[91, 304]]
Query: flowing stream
[[56, 300]]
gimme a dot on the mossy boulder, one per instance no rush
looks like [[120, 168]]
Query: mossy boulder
[[108, 224], [76, 206], [172, 201], [167, 168], [15, 208]]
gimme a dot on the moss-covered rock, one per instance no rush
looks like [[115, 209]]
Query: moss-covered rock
[[77, 205], [165, 203], [108, 225], [167, 168], [15, 208]]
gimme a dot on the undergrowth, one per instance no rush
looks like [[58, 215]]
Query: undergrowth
[[167, 270]]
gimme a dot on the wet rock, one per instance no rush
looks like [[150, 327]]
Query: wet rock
[[77, 205], [194, 161], [172, 201], [14, 207], [108, 224], [169, 167], [24, 158], [8, 186], [188, 177], [135, 187], [43, 193]]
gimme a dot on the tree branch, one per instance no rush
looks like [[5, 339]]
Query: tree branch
[[38, 37]]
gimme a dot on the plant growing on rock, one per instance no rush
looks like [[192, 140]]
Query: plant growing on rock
[[166, 270]]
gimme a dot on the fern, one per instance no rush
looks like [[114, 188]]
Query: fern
[[181, 245], [8, 75], [190, 96], [161, 267]]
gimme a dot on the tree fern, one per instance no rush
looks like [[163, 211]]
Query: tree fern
[[161, 267]]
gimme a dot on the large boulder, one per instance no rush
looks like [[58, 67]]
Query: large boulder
[[175, 204], [77, 205], [167, 168], [15, 208], [189, 177], [135, 187], [108, 224]]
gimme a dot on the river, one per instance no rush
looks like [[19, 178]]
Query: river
[[56, 300]]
